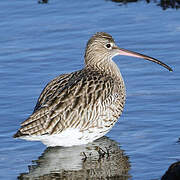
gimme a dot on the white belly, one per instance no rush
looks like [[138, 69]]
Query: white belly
[[69, 137]]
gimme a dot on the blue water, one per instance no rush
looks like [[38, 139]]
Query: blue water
[[40, 41]]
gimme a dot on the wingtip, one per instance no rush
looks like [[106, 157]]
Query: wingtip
[[18, 134]]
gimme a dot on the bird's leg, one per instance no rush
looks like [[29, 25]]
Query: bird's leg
[[107, 151], [101, 152], [85, 157]]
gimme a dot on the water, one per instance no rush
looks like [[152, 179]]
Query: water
[[41, 41]]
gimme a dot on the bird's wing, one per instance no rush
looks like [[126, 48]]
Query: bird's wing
[[50, 90], [75, 105]]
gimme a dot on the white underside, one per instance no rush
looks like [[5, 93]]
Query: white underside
[[69, 137]]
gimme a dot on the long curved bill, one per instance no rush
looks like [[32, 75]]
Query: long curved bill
[[125, 52]]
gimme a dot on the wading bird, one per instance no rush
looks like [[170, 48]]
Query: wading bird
[[82, 106]]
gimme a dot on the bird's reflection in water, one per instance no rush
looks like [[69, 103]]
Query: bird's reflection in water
[[102, 159]]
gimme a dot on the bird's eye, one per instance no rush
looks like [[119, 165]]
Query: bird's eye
[[108, 45]]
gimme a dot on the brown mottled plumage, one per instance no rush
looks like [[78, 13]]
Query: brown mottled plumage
[[90, 100]]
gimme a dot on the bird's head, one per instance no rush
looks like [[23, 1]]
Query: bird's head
[[101, 47]]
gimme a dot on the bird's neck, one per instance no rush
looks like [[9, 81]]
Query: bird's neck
[[107, 66]]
